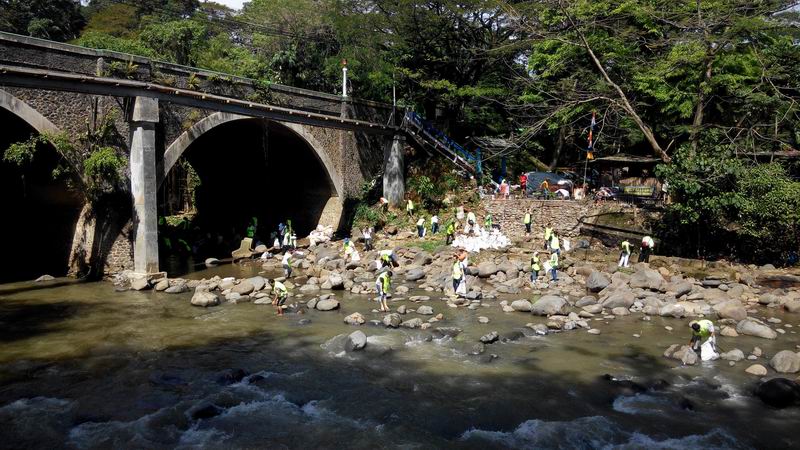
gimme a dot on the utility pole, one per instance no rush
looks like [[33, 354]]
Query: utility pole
[[344, 78]]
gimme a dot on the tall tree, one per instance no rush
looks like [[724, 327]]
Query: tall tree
[[58, 20]]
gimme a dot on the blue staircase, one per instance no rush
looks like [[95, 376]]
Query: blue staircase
[[428, 135]]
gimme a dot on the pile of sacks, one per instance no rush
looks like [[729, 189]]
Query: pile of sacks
[[494, 240], [320, 235]]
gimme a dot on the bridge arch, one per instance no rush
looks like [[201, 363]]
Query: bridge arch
[[42, 212], [178, 147]]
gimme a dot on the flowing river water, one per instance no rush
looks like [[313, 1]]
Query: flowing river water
[[84, 366]]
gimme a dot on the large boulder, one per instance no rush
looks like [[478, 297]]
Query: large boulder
[[335, 281], [140, 284], [793, 306], [327, 304], [672, 310], [597, 281], [521, 305], [425, 310], [413, 323], [683, 353], [487, 269], [786, 361], [755, 327], [205, 298], [415, 274], [489, 338], [757, 370], [732, 309], [734, 355], [779, 392], [258, 282], [179, 288], [548, 305], [621, 298], [646, 279], [680, 288], [356, 341], [243, 288]]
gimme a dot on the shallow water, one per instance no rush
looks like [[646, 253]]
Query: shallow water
[[84, 366]]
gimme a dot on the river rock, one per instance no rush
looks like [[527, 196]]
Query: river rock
[[415, 274], [311, 304], [793, 306], [646, 279], [596, 281], [402, 309], [593, 331], [732, 309], [425, 310], [672, 310], [489, 338], [521, 305], [44, 278], [258, 282], [548, 305], [585, 301], [356, 341], [728, 332], [335, 282], [204, 298], [754, 327], [683, 353], [327, 304], [413, 323], [778, 392], [211, 262], [447, 331], [620, 298], [162, 285], [309, 288], [354, 319], [756, 369], [392, 320], [487, 269], [786, 361], [734, 355], [179, 288], [681, 288], [483, 319], [620, 311], [768, 299], [140, 284], [243, 288]]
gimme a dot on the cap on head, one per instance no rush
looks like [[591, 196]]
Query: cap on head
[[695, 326]]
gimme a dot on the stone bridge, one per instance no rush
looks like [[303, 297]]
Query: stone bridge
[[259, 150]]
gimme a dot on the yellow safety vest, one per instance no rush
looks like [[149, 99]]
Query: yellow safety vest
[[535, 264], [280, 289], [554, 260], [410, 206], [457, 272], [554, 243], [527, 219], [626, 246], [547, 233], [705, 328], [385, 282]]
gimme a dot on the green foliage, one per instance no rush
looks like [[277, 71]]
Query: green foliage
[[102, 169], [104, 41], [58, 20], [422, 187], [22, 153], [179, 41]]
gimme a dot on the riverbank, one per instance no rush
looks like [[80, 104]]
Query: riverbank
[[96, 366]]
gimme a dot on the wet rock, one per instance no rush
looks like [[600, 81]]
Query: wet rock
[[311, 304], [793, 306], [206, 412], [309, 288], [44, 278], [754, 327], [335, 282], [392, 320], [672, 310], [728, 332], [425, 310], [778, 392], [731, 310], [548, 305], [768, 299], [593, 309], [521, 305], [585, 301], [593, 331], [646, 279], [683, 353], [596, 282], [413, 323], [258, 282], [483, 319], [511, 336], [140, 284], [177, 289], [489, 338], [211, 262], [620, 298], [620, 311], [415, 274], [710, 283], [786, 361], [356, 341], [734, 355], [304, 322], [327, 304], [234, 298], [681, 288], [243, 288], [354, 319], [756, 369], [447, 331], [402, 309], [478, 348], [231, 376], [162, 285], [539, 328], [204, 298], [487, 269]]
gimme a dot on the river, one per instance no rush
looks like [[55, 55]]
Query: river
[[83, 366]]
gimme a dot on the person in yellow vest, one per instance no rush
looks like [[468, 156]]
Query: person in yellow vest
[[421, 227], [488, 222], [527, 222], [535, 267], [383, 285], [625, 254], [555, 244], [279, 294], [548, 232], [554, 266], [410, 208], [702, 329], [458, 273], [450, 232], [471, 221], [348, 248]]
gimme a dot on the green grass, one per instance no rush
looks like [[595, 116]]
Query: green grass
[[429, 246]]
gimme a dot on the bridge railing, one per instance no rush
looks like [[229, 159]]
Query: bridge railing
[[38, 53], [443, 143]]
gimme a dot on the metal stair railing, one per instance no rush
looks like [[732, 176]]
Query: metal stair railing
[[430, 135]]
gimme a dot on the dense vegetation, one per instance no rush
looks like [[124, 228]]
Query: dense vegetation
[[708, 86]]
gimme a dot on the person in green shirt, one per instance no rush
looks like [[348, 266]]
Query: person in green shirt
[[383, 285], [554, 266], [625, 254], [535, 266], [548, 232], [279, 294], [527, 222], [488, 223], [702, 329], [450, 232], [410, 208]]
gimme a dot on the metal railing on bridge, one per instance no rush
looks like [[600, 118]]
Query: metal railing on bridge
[[428, 135]]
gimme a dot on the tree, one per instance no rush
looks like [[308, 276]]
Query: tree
[[58, 20]]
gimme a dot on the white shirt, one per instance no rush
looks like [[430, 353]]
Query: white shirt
[[435, 219], [286, 258]]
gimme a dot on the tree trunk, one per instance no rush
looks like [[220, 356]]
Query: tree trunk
[[558, 149]]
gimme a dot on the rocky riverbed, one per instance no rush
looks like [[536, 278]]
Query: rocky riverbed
[[590, 295]]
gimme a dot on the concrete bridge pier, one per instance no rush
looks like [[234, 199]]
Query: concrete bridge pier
[[144, 184], [394, 187]]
